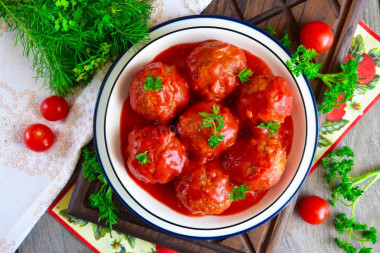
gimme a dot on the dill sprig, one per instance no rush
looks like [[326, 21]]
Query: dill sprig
[[70, 40], [102, 200]]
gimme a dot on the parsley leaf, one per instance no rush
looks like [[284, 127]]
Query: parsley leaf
[[209, 121], [244, 75], [102, 200], [301, 63], [270, 30], [285, 40], [153, 84], [238, 193], [143, 158], [272, 127], [338, 165]]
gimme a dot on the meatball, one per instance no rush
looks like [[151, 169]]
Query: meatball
[[155, 155], [265, 98], [257, 163], [159, 104], [196, 138], [205, 189], [213, 67]]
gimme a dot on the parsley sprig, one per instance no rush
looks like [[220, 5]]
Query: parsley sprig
[[344, 82], [153, 84], [338, 165], [143, 158], [102, 200], [272, 127], [209, 121], [244, 75], [238, 193], [270, 30], [285, 36], [285, 40]]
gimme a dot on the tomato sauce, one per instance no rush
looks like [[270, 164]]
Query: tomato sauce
[[165, 193]]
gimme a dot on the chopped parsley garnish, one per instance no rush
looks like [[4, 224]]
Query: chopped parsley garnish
[[238, 193], [215, 121], [244, 75], [143, 158], [153, 84], [272, 127]]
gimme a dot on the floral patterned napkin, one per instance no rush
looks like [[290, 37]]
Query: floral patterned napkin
[[31, 181], [366, 44]]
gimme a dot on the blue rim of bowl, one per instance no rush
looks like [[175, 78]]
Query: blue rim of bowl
[[115, 63]]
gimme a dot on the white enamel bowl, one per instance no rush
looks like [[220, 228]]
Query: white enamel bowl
[[114, 91]]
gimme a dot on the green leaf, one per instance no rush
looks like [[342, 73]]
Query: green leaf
[[370, 235], [347, 247], [71, 219], [323, 142], [99, 231], [213, 120], [143, 158], [374, 53], [270, 30], [357, 47], [91, 167], [285, 40], [272, 127], [365, 250], [238, 193], [153, 84], [244, 75], [301, 63], [131, 240], [329, 127], [363, 88]]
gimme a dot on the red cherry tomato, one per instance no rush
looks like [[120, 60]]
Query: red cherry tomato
[[313, 209], [317, 35], [38, 137], [161, 249], [54, 108]]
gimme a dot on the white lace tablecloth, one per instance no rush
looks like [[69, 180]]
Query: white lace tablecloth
[[30, 181]]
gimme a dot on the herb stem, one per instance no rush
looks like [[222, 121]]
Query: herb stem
[[365, 177]]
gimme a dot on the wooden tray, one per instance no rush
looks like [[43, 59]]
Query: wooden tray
[[342, 16]]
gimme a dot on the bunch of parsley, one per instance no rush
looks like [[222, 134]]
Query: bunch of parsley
[[70, 40], [302, 62], [338, 165]]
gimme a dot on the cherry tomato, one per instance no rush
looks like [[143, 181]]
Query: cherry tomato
[[313, 209], [161, 249], [38, 137], [317, 35], [54, 108]]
